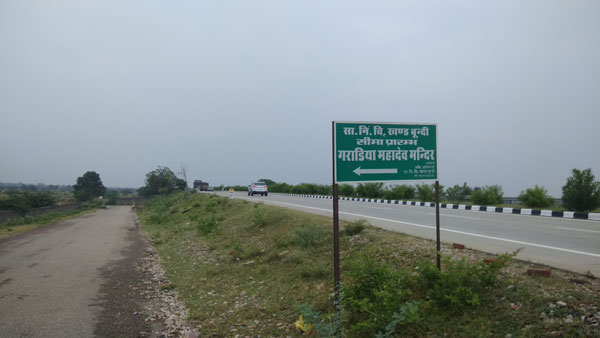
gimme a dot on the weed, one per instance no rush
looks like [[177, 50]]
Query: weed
[[236, 251], [308, 271], [168, 287], [460, 285], [590, 275], [355, 227], [311, 320], [210, 206], [273, 257], [208, 224], [258, 216], [408, 313], [373, 294], [308, 236], [253, 252]]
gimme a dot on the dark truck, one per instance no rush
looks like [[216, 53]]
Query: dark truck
[[200, 185]]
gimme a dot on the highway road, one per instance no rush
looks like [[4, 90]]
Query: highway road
[[568, 244]]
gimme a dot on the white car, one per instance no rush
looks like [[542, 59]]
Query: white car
[[258, 188]]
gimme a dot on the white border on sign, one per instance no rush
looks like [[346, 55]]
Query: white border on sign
[[437, 163]]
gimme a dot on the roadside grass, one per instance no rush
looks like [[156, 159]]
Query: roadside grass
[[246, 269], [28, 223]]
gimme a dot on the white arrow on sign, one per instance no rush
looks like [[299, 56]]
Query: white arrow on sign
[[359, 171]]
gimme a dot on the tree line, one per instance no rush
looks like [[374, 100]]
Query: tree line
[[581, 192], [22, 198]]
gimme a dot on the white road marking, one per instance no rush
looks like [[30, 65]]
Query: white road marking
[[446, 215], [593, 231], [368, 206], [452, 231]]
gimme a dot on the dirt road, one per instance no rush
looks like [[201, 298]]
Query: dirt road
[[74, 279]]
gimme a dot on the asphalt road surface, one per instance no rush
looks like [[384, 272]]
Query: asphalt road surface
[[568, 244], [54, 280]]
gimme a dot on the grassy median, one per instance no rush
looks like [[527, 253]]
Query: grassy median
[[251, 269]]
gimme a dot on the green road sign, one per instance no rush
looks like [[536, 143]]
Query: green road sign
[[383, 152]]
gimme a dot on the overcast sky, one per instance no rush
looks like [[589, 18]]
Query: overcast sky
[[241, 90]]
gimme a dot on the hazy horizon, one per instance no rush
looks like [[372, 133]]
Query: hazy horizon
[[245, 90]]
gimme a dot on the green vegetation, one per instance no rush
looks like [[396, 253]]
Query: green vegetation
[[536, 197], [488, 195], [399, 192], [264, 270], [35, 187], [26, 223], [161, 181], [459, 193], [354, 228], [426, 192], [346, 190], [581, 192], [88, 187], [24, 201], [370, 190]]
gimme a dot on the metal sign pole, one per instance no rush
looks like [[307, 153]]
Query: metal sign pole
[[437, 224], [365, 152], [336, 242]]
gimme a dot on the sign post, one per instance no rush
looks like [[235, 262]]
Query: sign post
[[386, 152], [336, 245]]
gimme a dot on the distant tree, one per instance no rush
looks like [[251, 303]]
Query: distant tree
[[88, 186], [370, 190], [112, 197], [279, 187], [346, 190], [426, 192], [161, 181], [41, 199], [581, 192], [311, 188], [267, 181], [536, 197], [458, 193], [488, 195], [399, 192]]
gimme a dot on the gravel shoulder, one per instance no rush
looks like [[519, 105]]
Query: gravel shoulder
[[136, 297]]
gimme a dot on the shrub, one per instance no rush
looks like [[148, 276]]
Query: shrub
[[311, 188], [488, 195], [460, 285], [458, 193], [373, 295], [426, 192], [210, 206], [378, 300], [399, 192], [311, 321], [308, 236], [208, 224], [354, 228], [258, 216], [536, 197], [370, 190], [581, 192], [112, 198], [24, 201], [236, 251], [347, 190]]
